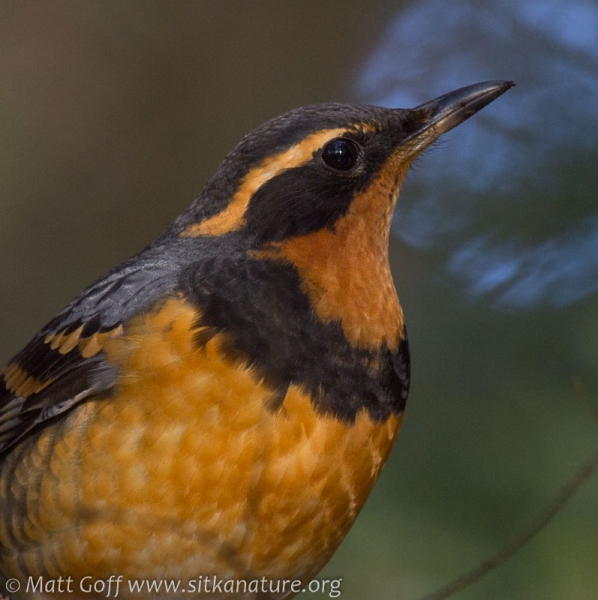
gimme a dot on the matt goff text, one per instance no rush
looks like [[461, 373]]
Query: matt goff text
[[112, 587]]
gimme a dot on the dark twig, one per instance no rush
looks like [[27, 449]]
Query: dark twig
[[524, 536]]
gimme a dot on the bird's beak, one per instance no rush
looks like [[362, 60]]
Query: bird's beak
[[445, 112]]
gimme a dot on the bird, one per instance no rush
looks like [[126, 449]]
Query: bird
[[221, 404]]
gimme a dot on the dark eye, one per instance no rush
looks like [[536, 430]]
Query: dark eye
[[340, 154]]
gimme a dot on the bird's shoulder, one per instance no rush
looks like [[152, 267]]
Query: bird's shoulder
[[65, 362]]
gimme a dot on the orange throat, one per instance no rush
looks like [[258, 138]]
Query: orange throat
[[345, 270]]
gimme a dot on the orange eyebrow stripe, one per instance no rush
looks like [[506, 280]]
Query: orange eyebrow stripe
[[232, 217]]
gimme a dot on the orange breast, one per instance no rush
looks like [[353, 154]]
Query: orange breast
[[185, 471]]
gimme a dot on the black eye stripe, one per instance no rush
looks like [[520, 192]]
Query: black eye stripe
[[341, 154]]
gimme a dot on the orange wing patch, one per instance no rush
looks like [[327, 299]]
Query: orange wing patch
[[20, 383], [88, 346]]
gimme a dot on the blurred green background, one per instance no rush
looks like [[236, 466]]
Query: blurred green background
[[114, 114]]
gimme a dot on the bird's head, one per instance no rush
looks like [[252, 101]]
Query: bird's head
[[309, 168], [316, 187]]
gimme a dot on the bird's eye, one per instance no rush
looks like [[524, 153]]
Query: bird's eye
[[340, 154]]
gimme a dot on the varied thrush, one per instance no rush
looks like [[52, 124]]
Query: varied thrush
[[223, 402]]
